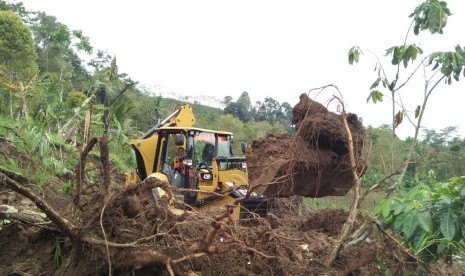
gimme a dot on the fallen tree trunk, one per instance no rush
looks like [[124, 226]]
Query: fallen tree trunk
[[62, 223], [27, 216]]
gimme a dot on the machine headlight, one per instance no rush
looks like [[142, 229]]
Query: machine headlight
[[244, 165], [206, 176]]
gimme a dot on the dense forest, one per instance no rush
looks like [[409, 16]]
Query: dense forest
[[57, 92]]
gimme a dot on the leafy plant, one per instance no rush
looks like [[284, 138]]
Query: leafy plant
[[429, 217], [41, 177], [57, 256], [67, 187], [12, 165]]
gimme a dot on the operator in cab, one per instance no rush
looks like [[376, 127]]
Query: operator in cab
[[180, 156], [178, 167]]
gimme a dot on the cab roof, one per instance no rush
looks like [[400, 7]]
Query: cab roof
[[195, 129]]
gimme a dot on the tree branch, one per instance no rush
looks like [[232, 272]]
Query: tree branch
[[62, 223]]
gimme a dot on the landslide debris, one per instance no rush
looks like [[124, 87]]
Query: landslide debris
[[314, 162]]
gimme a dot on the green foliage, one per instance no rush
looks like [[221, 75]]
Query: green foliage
[[354, 55], [82, 42], [269, 110], [38, 140], [75, 99], [431, 15], [378, 162], [57, 255], [452, 63], [41, 178], [429, 217], [375, 96], [442, 152], [404, 53], [18, 62], [372, 176], [241, 108], [67, 188], [11, 164], [11, 6]]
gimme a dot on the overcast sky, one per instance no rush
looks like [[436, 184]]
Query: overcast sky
[[269, 48]]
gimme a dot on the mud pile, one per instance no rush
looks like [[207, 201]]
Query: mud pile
[[314, 162]]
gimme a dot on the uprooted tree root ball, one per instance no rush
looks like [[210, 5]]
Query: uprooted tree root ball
[[314, 162]]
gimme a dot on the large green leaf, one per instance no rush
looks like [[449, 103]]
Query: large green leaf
[[375, 84], [424, 219], [354, 55], [430, 15], [462, 191], [447, 225], [397, 55], [375, 96], [386, 208], [399, 208], [410, 224], [463, 232], [417, 111], [443, 245], [398, 222]]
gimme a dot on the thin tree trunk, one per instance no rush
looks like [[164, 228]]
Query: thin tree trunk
[[24, 109], [105, 161], [11, 105], [348, 225], [87, 119], [81, 169]]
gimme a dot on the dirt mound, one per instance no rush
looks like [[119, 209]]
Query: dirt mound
[[314, 162]]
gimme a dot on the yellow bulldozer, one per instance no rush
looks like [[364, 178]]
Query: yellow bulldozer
[[199, 162]]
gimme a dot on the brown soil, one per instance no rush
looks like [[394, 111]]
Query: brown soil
[[314, 162], [283, 244]]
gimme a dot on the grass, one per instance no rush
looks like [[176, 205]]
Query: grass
[[344, 202], [11, 165]]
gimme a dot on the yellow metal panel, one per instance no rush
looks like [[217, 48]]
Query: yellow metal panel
[[186, 117], [222, 203], [131, 178], [147, 148], [238, 177]]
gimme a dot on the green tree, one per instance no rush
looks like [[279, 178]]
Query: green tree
[[18, 8], [18, 68], [407, 59], [441, 152], [101, 60], [57, 47], [241, 108], [429, 216], [110, 85], [380, 139]]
